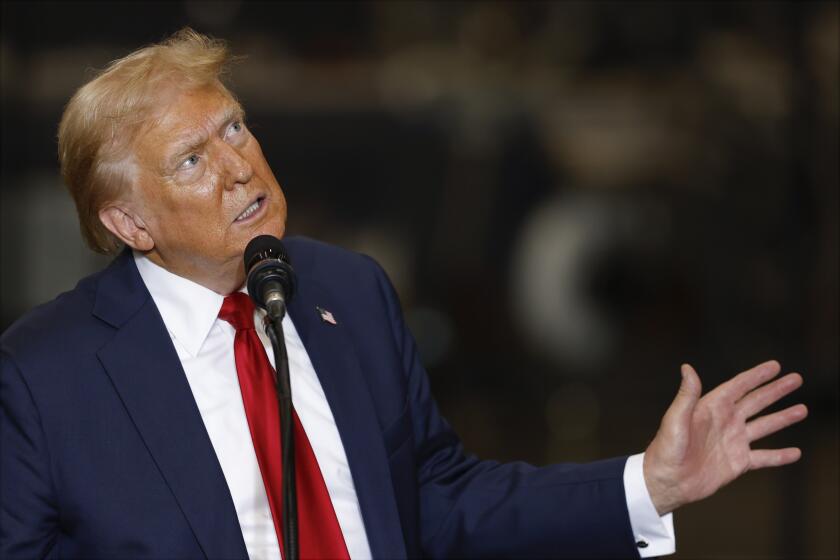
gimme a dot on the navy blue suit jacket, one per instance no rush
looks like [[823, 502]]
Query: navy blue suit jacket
[[105, 455]]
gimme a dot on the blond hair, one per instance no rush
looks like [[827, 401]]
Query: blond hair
[[104, 116]]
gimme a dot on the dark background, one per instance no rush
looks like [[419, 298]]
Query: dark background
[[571, 199]]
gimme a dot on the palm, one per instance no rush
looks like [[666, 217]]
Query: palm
[[704, 443]]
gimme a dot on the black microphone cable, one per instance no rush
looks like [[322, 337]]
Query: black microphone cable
[[274, 330]]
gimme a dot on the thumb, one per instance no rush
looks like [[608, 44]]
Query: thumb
[[679, 413]]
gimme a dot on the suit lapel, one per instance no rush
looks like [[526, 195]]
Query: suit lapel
[[146, 372], [337, 366]]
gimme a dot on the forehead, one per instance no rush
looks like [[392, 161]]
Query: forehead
[[184, 115]]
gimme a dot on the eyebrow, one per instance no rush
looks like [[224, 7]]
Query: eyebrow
[[190, 141]]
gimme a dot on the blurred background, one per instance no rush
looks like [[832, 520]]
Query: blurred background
[[571, 199]]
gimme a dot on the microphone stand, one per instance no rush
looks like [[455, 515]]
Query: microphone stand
[[274, 330]]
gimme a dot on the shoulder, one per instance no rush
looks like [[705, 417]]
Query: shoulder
[[59, 328], [311, 256], [355, 282], [332, 266]]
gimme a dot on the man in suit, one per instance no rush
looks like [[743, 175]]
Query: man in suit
[[129, 427]]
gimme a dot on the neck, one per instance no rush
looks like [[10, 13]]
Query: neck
[[223, 278]]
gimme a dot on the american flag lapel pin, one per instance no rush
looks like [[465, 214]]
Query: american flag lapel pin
[[326, 316]]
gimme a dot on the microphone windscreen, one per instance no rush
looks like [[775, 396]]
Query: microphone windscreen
[[264, 247]]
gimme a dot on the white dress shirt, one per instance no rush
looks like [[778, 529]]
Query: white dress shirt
[[205, 347], [204, 344]]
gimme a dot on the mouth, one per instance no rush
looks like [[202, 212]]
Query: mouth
[[253, 210]]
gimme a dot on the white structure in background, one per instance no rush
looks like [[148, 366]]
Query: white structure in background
[[558, 249]]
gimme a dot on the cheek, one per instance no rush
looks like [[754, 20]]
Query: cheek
[[208, 187], [180, 209], [257, 159], [262, 170], [203, 196]]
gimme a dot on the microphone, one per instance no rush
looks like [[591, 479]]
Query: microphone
[[271, 279], [271, 284]]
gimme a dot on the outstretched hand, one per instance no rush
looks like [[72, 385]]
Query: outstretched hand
[[704, 443]]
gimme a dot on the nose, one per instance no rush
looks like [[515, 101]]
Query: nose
[[238, 169]]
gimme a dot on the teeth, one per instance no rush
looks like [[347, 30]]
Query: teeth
[[248, 211]]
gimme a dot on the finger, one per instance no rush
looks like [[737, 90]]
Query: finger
[[762, 458], [772, 423], [748, 380], [679, 413], [761, 398]]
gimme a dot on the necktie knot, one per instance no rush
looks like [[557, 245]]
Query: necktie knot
[[238, 310]]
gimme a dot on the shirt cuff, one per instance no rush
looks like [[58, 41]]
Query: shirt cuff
[[654, 535]]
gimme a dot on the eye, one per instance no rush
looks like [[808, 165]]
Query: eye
[[235, 128], [190, 162]]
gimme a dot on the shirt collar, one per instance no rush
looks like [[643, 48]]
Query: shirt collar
[[188, 310]]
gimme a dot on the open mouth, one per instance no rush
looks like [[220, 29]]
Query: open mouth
[[252, 210]]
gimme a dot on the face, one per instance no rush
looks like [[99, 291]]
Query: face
[[204, 189]]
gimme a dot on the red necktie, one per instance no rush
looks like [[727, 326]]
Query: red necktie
[[319, 533]]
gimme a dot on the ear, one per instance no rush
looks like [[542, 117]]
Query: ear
[[127, 226]]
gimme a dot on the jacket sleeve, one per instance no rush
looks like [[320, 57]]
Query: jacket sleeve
[[472, 508], [28, 515]]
